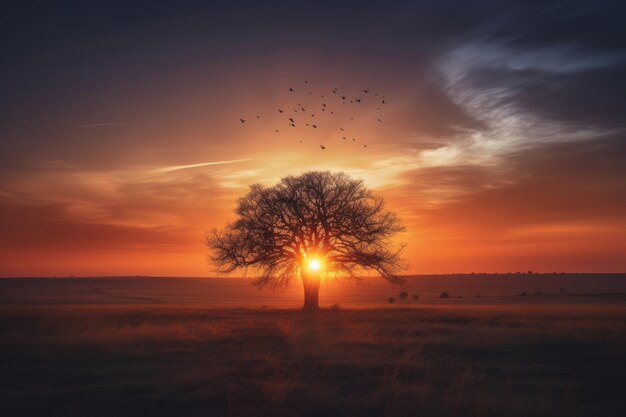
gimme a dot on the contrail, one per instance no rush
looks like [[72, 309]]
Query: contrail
[[204, 164], [108, 124]]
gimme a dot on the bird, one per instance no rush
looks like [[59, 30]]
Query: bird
[[310, 92], [315, 126], [323, 147], [384, 101], [343, 137], [352, 118], [243, 120], [379, 120], [291, 90], [306, 82], [292, 125], [358, 100], [365, 146], [341, 128], [353, 140], [280, 110], [277, 130], [343, 97], [366, 91], [291, 120], [258, 117]]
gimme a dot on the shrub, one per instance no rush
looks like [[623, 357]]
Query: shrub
[[444, 295], [391, 300], [403, 295], [415, 296]]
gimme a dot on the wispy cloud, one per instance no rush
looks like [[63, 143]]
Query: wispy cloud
[[204, 164], [104, 124]]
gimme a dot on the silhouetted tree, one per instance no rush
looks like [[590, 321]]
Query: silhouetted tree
[[325, 216]]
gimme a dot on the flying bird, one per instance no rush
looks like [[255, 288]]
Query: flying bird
[[366, 91], [323, 147], [315, 126], [280, 110], [258, 117], [243, 120], [291, 90]]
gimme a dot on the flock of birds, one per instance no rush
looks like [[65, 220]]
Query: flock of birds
[[300, 115]]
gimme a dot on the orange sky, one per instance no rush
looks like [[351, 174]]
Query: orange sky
[[121, 152]]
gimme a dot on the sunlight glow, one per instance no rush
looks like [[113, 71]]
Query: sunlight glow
[[315, 265]]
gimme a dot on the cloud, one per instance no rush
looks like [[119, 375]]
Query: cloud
[[203, 164], [105, 124]]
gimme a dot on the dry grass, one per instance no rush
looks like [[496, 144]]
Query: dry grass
[[470, 361]]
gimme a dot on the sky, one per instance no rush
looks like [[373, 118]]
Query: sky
[[501, 145]]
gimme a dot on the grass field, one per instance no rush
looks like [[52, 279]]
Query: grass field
[[190, 360]]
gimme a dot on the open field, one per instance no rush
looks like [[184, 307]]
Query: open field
[[544, 355]]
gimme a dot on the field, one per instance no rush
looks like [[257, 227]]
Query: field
[[560, 350]]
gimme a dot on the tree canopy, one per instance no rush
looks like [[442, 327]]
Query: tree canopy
[[327, 215]]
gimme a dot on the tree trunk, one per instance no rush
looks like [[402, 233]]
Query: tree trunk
[[311, 284]]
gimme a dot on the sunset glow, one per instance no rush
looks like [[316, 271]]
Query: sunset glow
[[148, 150], [315, 264]]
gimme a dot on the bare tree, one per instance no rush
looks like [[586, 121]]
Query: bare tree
[[308, 225]]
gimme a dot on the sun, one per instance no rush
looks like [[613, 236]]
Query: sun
[[315, 265]]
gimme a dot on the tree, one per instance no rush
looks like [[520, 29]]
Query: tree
[[308, 225]]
